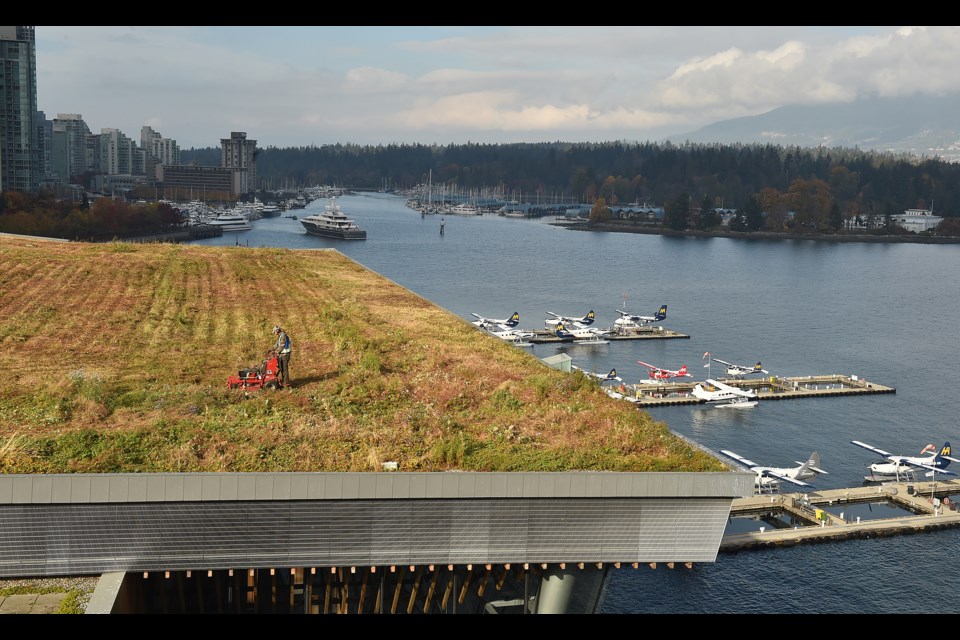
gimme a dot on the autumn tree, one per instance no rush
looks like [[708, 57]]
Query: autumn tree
[[600, 211], [608, 190], [811, 200], [773, 203]]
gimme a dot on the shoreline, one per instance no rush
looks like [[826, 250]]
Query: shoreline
[[759, 235]]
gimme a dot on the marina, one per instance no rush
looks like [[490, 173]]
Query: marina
[[810, 321]]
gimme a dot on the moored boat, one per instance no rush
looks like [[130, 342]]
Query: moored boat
[[230, 222], [333, 223]]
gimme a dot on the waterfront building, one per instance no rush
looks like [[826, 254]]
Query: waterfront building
[[194, 179], [464, 542], [115, 184], [19, 145], [918, 220], [237, 152]]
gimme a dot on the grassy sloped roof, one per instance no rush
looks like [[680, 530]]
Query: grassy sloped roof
[[116, 358]]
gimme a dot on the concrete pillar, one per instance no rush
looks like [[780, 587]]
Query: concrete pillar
[[571, 590], [555, 590]]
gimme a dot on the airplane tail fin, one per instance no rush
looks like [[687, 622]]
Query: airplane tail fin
[[589, 318], [813, 464], [683, 371], [662, 313], [943, 456], [757, 367], [514, 320], [612, 375]]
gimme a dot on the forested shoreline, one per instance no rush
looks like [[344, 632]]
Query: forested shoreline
[[808, 181], [760, 188]]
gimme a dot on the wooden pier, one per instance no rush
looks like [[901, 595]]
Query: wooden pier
[[544, 336], [769, 388], [929, 501]]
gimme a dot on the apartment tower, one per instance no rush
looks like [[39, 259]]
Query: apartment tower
[[239, 153], [19, 135]]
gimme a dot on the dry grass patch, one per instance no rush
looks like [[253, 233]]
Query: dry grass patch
[[121, 353]]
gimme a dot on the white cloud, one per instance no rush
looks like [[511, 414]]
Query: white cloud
[[292, 85]]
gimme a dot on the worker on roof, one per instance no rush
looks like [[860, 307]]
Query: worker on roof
[[282, 347]]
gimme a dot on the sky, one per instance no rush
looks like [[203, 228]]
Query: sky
[[291, 86]]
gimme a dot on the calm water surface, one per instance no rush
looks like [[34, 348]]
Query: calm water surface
[[885, 312]]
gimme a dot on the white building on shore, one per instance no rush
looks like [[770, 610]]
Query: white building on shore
[[917, 220]]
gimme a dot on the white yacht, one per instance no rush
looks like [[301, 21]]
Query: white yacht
[[333, 223], [230, 222]]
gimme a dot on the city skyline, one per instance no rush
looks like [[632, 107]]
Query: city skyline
[[299, 86]]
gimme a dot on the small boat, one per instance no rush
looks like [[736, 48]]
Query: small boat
[[333, 223], [464, 209]]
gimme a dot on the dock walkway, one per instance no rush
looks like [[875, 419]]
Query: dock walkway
[[545, 336], [925, 499], [770, 388]]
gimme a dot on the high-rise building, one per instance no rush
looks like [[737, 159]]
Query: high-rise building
[[239, 153], [19, 134], [159, 152], [117, 153], [45, 141], [73, 146], [163, 149]]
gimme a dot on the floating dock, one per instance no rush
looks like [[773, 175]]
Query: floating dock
[[769, 388], [929, 501], [544, 336]]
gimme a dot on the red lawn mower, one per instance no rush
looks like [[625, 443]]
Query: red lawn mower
[[258, 377]]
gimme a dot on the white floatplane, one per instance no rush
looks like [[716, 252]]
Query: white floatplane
[[568, 321], [602, 377], [629, 320], [769, 478], [739, 370], [897, 467], [506, 323], [724, 395]]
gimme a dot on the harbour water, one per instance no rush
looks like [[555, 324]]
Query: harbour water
[[884, 312]]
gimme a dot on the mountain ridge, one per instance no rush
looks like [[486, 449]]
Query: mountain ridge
[[924, 126]]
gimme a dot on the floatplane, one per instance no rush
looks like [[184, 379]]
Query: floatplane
[[507, 323], [935, 461], [602, 377], [769, 478], [568, 321], [629, 320], [721, 394], [657, 374], [739, 370], [585, 335], [505, 329]]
